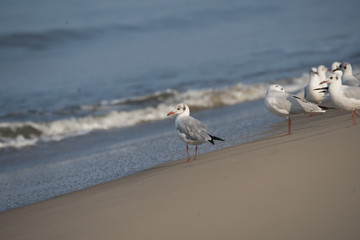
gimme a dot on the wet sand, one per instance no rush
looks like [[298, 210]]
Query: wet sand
[[302, 186]]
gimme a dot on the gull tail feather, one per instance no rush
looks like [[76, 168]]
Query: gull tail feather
[[214, 138]]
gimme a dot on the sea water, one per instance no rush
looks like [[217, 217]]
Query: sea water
[[86, 85]]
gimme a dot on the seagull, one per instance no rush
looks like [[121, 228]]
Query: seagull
[[312, 95], [283, 104], [191, 130], [348, 77], [343, 96], [328, 101]]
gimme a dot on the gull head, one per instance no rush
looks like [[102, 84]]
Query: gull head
[[333, 78], [275, 87], [322, 69], [313, 71], [180, 108], [335, 66], [346, 67]]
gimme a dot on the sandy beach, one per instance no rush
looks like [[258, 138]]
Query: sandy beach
[[302, 186]]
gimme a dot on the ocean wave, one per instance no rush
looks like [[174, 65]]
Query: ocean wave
[[44, 39], [147, 108]]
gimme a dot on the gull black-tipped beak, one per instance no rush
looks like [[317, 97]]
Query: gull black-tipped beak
[[336, 69]]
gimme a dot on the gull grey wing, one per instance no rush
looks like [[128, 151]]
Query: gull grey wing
[[299, 105], [294, 105], [287, 103], [352, 82], [352, 92], [357, 76], [193, 129], [277, 103]]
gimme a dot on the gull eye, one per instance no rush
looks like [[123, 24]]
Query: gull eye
[[337, 78], [331, 77], [344, 67], [178, 108], [184, 108], [282, 89]]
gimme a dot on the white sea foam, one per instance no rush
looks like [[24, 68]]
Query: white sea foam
[[21, 134], [17, 142]]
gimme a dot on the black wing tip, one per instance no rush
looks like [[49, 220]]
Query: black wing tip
[[325, 108], [215, 138], [323, 88]]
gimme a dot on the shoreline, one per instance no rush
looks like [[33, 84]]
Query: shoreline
[[302, 186], [52, 169]]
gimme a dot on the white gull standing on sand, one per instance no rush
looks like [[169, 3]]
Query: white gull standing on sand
[[189, 129], [344, 97], [348, 77], [283, 104]]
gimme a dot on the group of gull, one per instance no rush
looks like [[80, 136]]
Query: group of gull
[[338, 87]]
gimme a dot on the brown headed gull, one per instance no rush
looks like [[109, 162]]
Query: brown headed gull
[[348, 77], [283, 104], [344, 97], [189, 129]]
